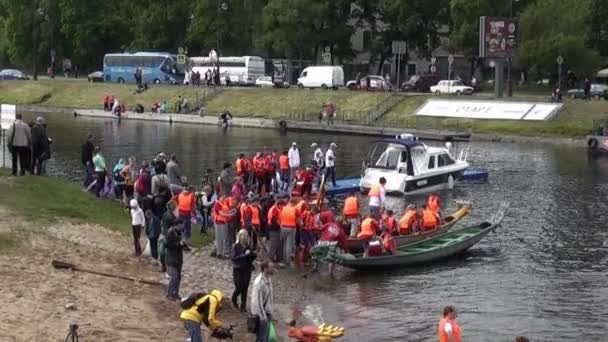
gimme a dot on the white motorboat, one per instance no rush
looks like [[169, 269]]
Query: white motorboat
[[411, 167]]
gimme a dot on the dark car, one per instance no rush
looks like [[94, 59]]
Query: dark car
[[420, 83], [96, 76], [12, 74], [597, 91]]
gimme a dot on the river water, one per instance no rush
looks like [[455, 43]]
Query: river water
[[542, 274]]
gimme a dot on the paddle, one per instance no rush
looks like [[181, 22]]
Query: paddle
[[65, 265]]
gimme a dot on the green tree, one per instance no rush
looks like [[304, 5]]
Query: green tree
[[229, 24], [417, 22], [598, 37], [557, 27], [19, 30], [299, 28], [91, 29], [158, 24]]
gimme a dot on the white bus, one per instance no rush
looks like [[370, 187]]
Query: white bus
[[240, 70]]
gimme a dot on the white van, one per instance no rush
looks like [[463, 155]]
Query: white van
[[322, 77]]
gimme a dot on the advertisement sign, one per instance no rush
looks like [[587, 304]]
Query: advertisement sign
[[489, 110], [7, 115], [497, 37], [543, 111]]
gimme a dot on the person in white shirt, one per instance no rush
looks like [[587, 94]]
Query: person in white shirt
[[377, 197], [318, 157], [116, 107], [294, 159], [330, 164], [138, 221]]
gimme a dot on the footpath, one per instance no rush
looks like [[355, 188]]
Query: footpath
[[305, 126]]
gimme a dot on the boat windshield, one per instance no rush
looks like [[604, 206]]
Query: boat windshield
[[389, 159]]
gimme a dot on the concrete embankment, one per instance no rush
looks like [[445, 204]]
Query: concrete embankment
[[307, 126]]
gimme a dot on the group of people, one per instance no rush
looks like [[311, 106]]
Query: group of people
[[111, 104], [382, 224], [246, 217], [274, 172], [164, 205], [29, 145], [209, 78]]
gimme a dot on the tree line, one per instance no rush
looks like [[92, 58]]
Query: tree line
[[84, 30]]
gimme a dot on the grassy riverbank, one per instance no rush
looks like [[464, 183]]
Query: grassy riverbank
[[47, 200], [576, 119]]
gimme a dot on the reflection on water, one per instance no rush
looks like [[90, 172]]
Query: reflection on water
[[542, 274]]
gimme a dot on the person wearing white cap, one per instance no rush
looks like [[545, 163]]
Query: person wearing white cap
[[294, 159], [330, 164]]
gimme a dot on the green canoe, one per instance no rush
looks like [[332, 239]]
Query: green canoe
[[429, 250]]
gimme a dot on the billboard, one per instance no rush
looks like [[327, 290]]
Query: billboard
[[497, 37], [472, 109]]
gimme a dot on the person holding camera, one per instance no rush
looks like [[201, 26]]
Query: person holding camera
[[174, 259]]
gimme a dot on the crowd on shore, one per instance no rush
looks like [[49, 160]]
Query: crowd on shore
[[260, 209]]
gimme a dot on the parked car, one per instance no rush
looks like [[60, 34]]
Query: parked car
[[451, 87], [376, 82], [267, 82], [264, 81], [420, 83], [12, 74], [96, 76], [597, 91], [321, 77]]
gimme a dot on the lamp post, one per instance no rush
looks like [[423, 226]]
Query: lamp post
[[222, 6], [509, 63]]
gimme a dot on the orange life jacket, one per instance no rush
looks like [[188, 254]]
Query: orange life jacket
[[269, 164], [241, 166], [185, 202], [243, 210], [259, 165], [443, 336], [407, 221], [275, 211], [219, 208], [390, 224], [302, 205], [308, 220], [351, 207], [283, 163], [255, 215], [374, 191], [433, 203], [289, 216], [429, 220], [368, 229], [388, 242]]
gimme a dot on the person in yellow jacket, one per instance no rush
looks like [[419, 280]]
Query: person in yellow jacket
[[198, 309]]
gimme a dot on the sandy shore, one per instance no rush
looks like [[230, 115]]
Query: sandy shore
[[33, 295]]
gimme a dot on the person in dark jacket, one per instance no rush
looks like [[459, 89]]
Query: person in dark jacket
[[168, 220], [40, 146], [242, 266], [86, 156], [153, 232], [174, 260]]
